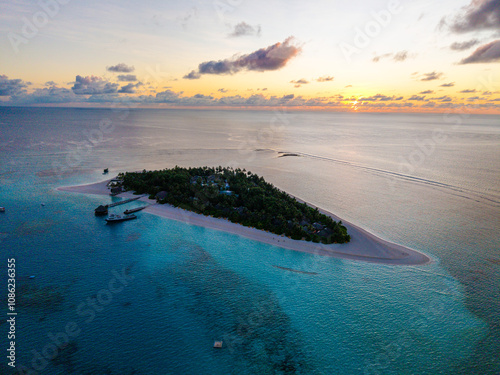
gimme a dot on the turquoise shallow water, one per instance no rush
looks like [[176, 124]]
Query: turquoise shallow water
[[184, 286]]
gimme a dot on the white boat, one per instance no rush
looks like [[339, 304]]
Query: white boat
[[116, 218]]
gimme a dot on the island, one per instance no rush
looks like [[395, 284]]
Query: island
[[239, 196], [244, 204]]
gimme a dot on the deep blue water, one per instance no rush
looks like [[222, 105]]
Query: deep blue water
[[181, 287]]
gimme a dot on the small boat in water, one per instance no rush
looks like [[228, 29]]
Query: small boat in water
[[116, 218], [131, 211], [218, 344], [106, 170], [2, 209]]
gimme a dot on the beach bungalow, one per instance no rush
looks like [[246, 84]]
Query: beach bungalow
[[317, 226], [161, 195], [116, 190], [101, 210]]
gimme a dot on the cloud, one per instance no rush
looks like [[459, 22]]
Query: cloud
[[378, 97], [397, 57], [324, 79], [431, 76], [468, 91], [461, 46], [300, 82], [244, 28], [129, 88], [92, 85], [377, 58], [445, 98], [427, 92], [9, 87], [50, 83], [450, 84], [416, 97], [127, 78], [192, 75], [400, 56], [222, 90], [270, 58], [47, 95], [120, 68], [478, 15], [486, 53]]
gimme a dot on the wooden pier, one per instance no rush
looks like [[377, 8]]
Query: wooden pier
[[124, 201], [103, 209]]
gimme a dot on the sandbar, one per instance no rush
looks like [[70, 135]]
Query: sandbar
[[364, 246]]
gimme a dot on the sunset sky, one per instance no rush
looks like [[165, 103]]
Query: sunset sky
[[418, 55]]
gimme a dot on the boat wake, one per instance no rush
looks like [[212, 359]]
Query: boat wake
[[456, 190]]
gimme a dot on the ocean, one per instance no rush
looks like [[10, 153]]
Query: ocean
[[152, 295]]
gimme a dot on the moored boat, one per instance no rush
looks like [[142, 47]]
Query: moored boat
[[131, 211], [113, 218]]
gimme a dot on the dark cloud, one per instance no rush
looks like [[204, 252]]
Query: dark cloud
[[127, 78], [50, 83], [431, 76], [398, 56], [416, 97], [222, 90], [461, 46], [120, 68], [487, 53], [244, 28], [450, 84], [167, 96], [92, 85], [468, 91], [9, 87], [427, 92], [445, 98], [129, 88], [46, 95], [478, 15], [192, 75], [324, 79], [271, 58]]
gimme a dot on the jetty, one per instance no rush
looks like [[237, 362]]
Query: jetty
[[103, 209], [124, 201]]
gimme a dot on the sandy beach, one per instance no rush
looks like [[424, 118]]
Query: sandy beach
[[364, 246]]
